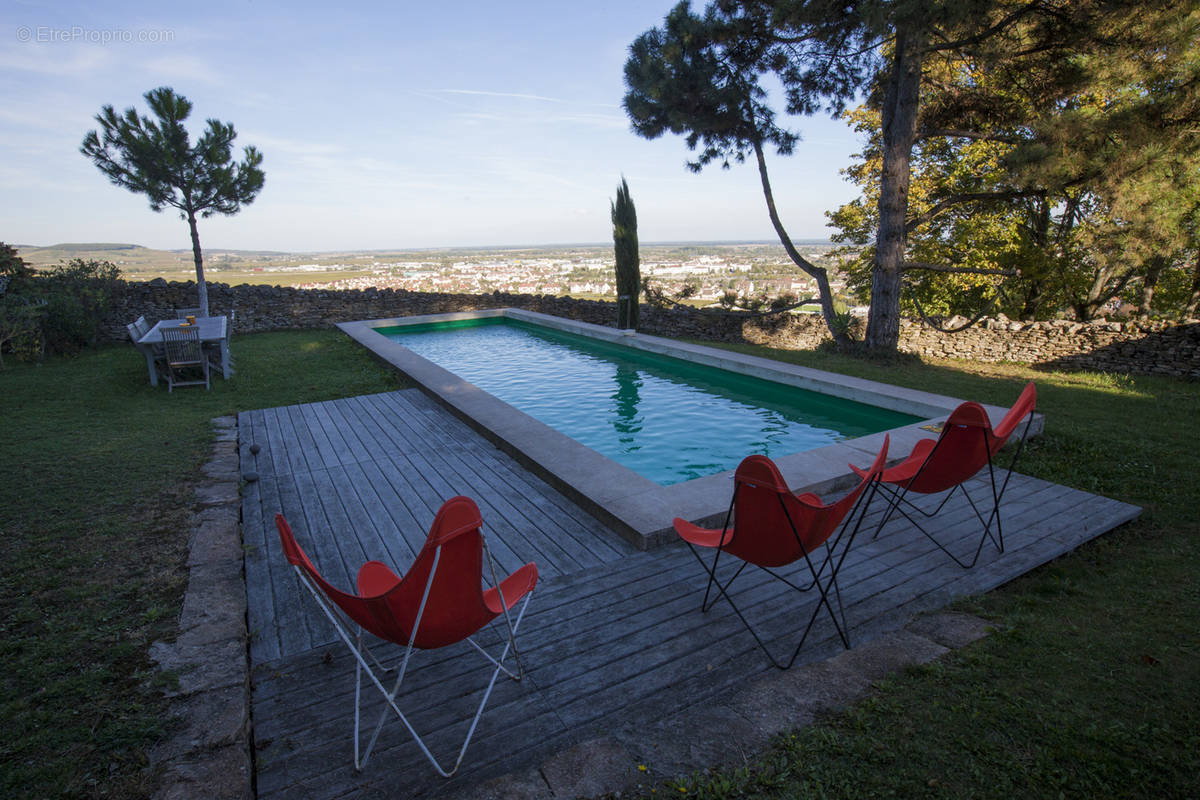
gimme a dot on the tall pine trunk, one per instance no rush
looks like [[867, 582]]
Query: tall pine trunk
[[839, 332], [198, 257], [899, 129]]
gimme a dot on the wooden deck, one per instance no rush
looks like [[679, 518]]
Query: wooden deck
[[613, 635]]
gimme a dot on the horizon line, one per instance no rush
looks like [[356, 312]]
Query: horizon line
[[538, 246]]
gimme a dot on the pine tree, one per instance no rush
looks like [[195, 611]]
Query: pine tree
[[1084, 177], [154, 157]]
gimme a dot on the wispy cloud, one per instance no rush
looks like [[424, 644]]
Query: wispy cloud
[[603, 121], [54, 60], [517, 95]]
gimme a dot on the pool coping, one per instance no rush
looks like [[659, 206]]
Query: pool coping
[[639, 509]]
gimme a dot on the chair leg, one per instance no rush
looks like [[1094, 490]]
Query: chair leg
[[900, 501], [723, 591], [835, 555], [390, 702]]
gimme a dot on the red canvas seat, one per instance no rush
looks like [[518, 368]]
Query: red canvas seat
[[773, 528], [438, 602], [967, 444]]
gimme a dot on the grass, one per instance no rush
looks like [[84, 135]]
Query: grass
[[1090, 687], [96, 470]]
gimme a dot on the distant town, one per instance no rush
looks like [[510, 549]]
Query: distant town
[[707, 270]]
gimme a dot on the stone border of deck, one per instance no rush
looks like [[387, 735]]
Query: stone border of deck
[[735, 730], [208, 753], [638, 509]]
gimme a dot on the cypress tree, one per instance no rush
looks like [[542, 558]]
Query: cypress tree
[[625, 247]]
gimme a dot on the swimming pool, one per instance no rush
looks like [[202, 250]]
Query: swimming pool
[[665, 418], [634, 506]]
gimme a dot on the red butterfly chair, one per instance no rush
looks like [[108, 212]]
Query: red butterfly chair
[[965, 446], [437, 603], [775, 528]]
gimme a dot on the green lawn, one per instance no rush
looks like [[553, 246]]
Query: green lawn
[[1090, 687], [96, 468]]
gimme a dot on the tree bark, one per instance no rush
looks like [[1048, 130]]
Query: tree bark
[[1100, 292], [1149, 282], [1189, 310], [839, 333], [1038, 229], [819, 274], [198, 257], [899, 129], [1032, 301]]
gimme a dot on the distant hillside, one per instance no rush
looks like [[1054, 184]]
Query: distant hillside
[[92, 246], [136, 261], [131, 258]]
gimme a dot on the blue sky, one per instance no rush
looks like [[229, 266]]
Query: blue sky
[[411, 125]]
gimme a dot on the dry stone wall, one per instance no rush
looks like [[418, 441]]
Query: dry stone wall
[[1157, 348]]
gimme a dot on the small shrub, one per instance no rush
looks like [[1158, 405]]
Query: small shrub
[[75, 297], [14, 272], [20, 328]]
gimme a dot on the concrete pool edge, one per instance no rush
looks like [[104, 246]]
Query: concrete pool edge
[[635, 507]]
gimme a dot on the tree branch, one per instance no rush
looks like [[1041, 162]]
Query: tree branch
[[986, 33], [913, 266], [962, 133], [966, 197]]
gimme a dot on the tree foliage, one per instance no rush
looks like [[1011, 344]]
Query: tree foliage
[[1076, 88], [1083, 177], [700, 77], [155, 157], [625, 249]]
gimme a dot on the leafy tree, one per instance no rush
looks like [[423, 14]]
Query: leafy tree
[[1083, 195], [13, 269], [701, 76], [154, 157], [978, 240], [625, 247]]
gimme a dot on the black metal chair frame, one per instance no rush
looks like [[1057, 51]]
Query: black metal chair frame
[[830, 560], [898, 500]]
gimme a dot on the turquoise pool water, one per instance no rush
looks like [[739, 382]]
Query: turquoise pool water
[[667, 419]]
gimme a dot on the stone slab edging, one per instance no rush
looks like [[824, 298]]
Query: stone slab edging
[[731, 731], [208, 753]]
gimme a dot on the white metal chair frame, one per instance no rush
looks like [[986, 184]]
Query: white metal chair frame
[[342, 624]]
